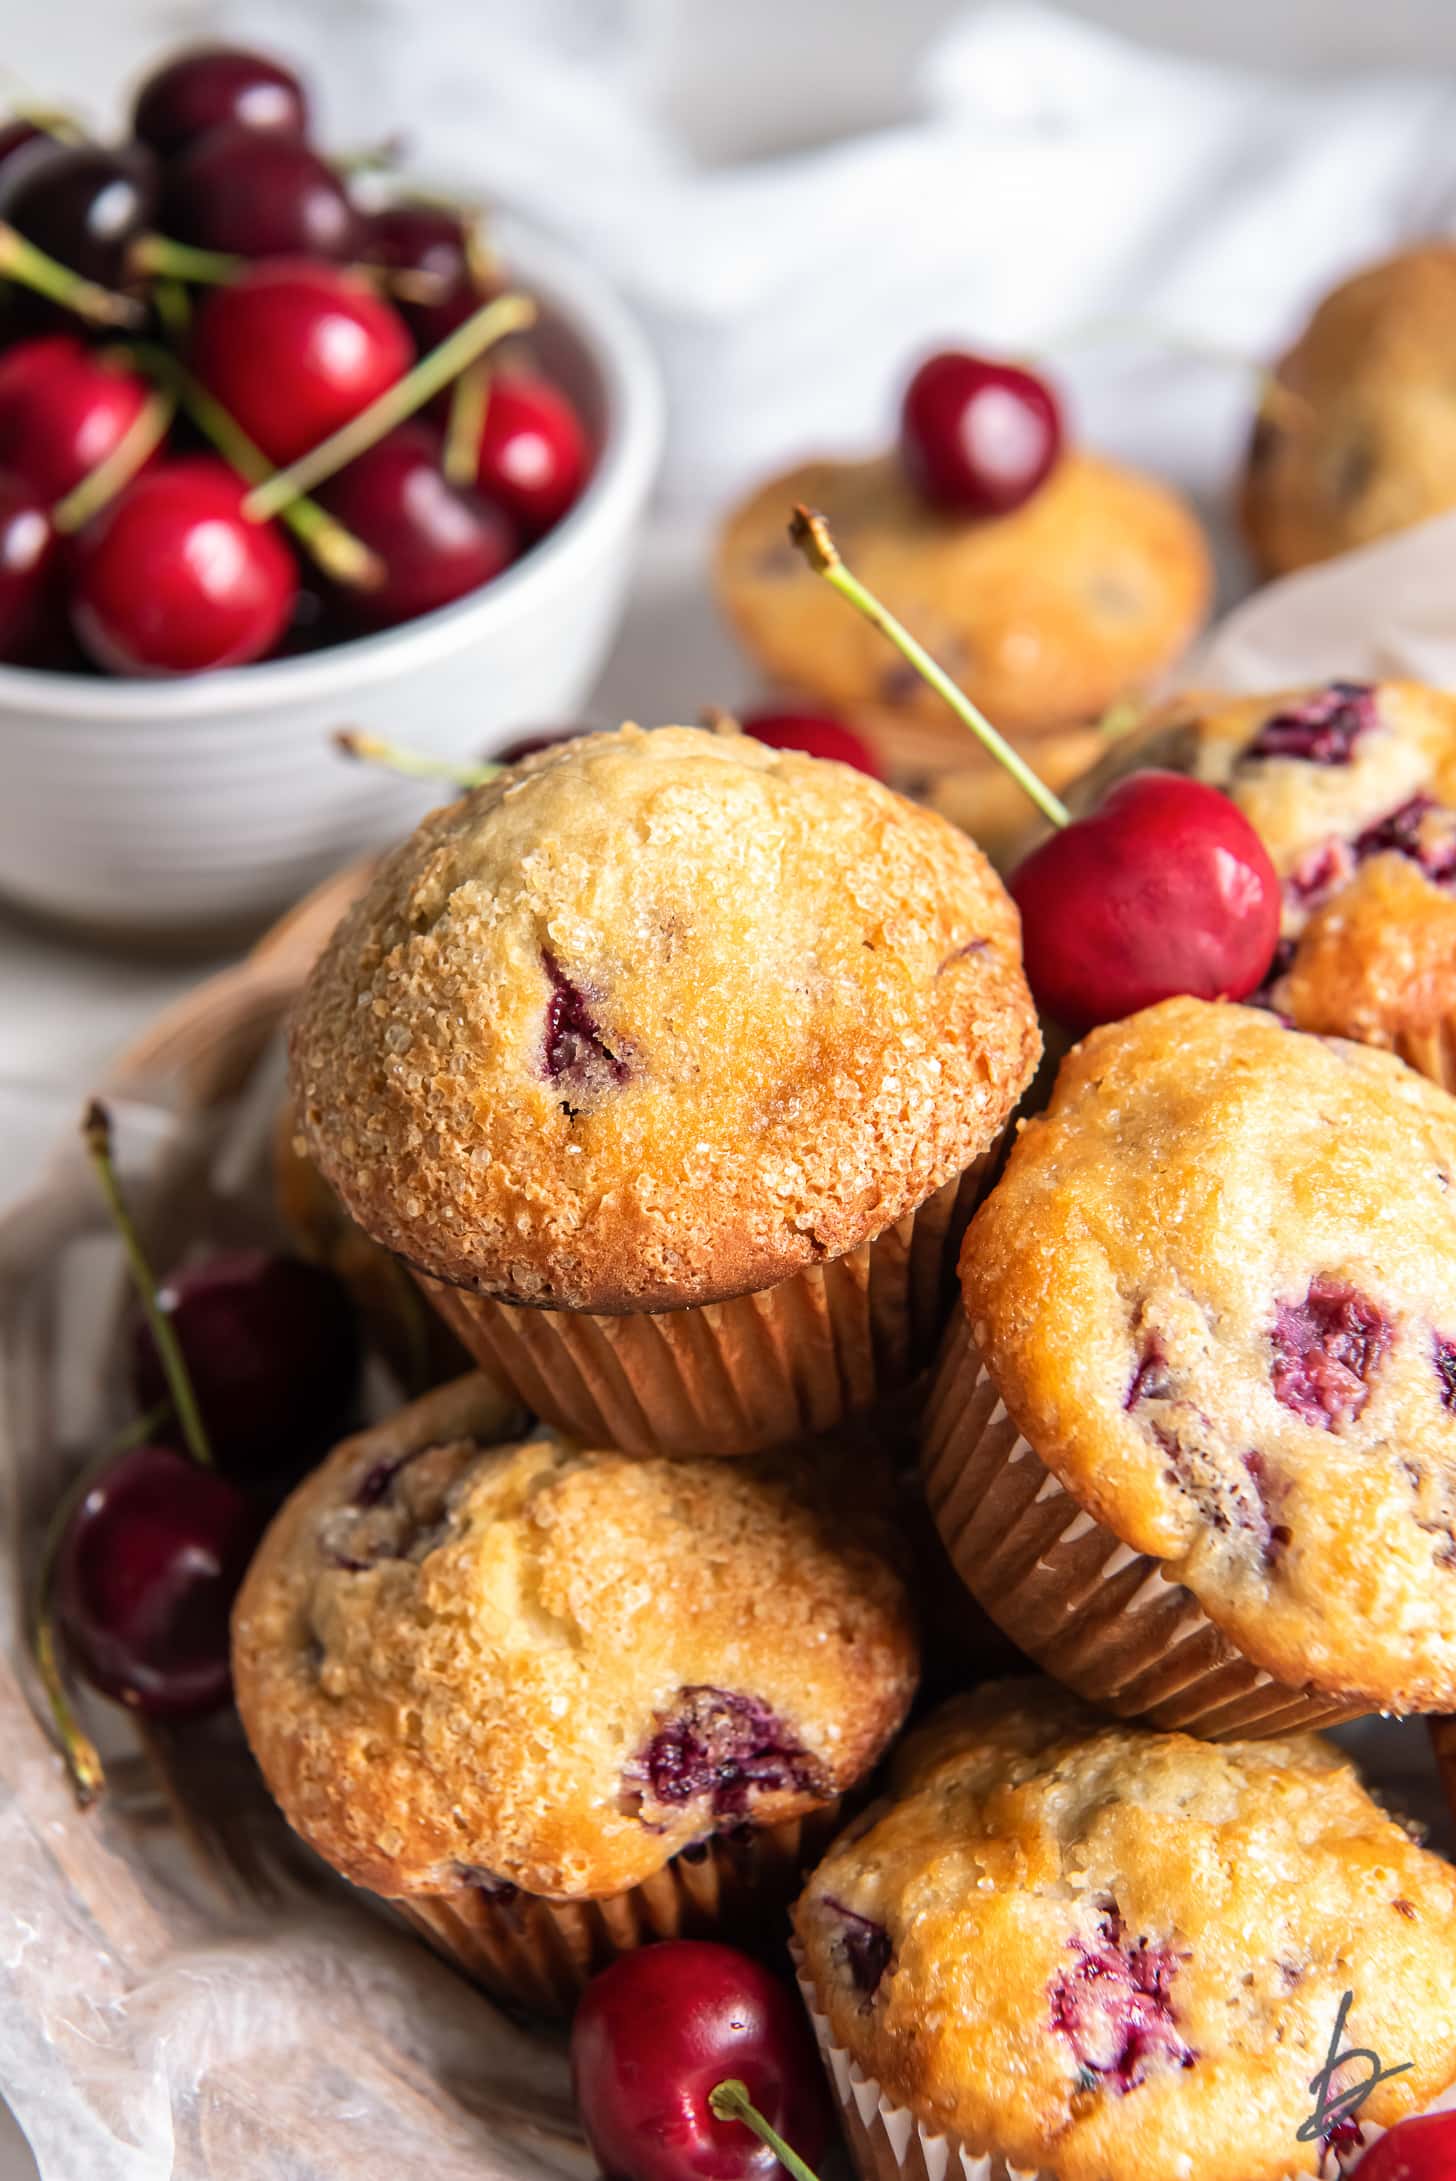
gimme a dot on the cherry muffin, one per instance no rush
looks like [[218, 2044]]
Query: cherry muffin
[[1357, 437], [1086, 1952], [672, 1064], [1192, 1441], [554, 1703], [1352, 787], [1045, 616]]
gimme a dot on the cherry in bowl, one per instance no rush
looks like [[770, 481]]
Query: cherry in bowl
[[64, 409], [977, 437], [207, 85], [434, 541], [32, 617], [534, 454], [259, 194], [84, 205]]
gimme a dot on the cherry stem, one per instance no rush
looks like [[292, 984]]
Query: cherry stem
[[810, 533], [469, 399], [337, 551], [140, 440], [491, 323], [173, 307], [96, 1132], [153, 254], [415, 764], [730, 2101], [21, 260]]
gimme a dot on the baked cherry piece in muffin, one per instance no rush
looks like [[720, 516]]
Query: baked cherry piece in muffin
[[535, 1694], [1194, 1445], [668, 1019], [1355, 439], [1352, 787], [1105, 1954]]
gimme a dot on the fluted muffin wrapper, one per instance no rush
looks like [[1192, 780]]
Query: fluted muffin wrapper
[[735, 1377], [1096, 1615], [887, 2143], [540, 1954]]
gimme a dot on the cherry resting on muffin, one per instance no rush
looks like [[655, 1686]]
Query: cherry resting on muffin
[[1164, 889], [658, 2033], [978, 437], [816, 734], [1420, 2149]]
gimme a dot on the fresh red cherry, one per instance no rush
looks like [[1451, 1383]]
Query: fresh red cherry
[[534, 454], [1421, 2149], [293, 349], [83, 205], [817, 735], [206, 85], [436, 540], [978, 437], [271, 1346], [259, 194], [63, 410], [30, 615], [171, 578], [654, 2036], [1165, 888], [445, 282], [145, 1575]]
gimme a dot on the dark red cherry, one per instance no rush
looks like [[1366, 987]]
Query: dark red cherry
[[817, 735], [63, 410], [271, 1346], [534, 454], [1165, 888], [16, 135], [1421, 2149], [293, 349], [82, 204], [30, 612], [436, 541], [259, 194], [978, 437], [428, 244], [146, 1572], [654, 2036], [171, 578], [206, 85]]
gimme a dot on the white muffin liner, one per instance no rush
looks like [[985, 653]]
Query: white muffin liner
[[1100, 1618], [735, 1377], [887, 2143]]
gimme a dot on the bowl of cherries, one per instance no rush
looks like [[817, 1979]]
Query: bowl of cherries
[[284, 450]]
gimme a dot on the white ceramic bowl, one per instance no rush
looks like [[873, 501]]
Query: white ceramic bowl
[[195, 809]]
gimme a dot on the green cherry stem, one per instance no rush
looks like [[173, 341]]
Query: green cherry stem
[[136, 445], [730, 2101], [96, 1132], [21, 261], [469, 399], [491, 323], [151, 255], [414, 764], [810, 533]]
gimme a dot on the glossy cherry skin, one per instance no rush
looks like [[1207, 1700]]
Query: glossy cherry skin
[[172, 579], [207, 85], [293, 349], [654, 2036], [817, 735], [83, 205], [427, 241], [534, 454], [436, 541], [978, 437], [63, 411], [259, 194], [16, 135], [1165, 888], [30, 615], [1420, 2149], [146, 1572], [271, 1345]]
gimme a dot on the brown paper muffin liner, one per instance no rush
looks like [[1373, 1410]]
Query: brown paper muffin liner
[[738, 1376], [541, 1954], [1431, 1051], [887, 2143], [1096, 1615]]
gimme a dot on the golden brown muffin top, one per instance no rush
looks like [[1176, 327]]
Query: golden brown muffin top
[[531, 1665], [1352, 788], [1216, 1289], [1044, 615], [1114, 1955], [661, 1018], [1359, 437]]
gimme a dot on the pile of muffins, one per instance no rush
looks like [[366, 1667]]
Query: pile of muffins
[[688, 1080]]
